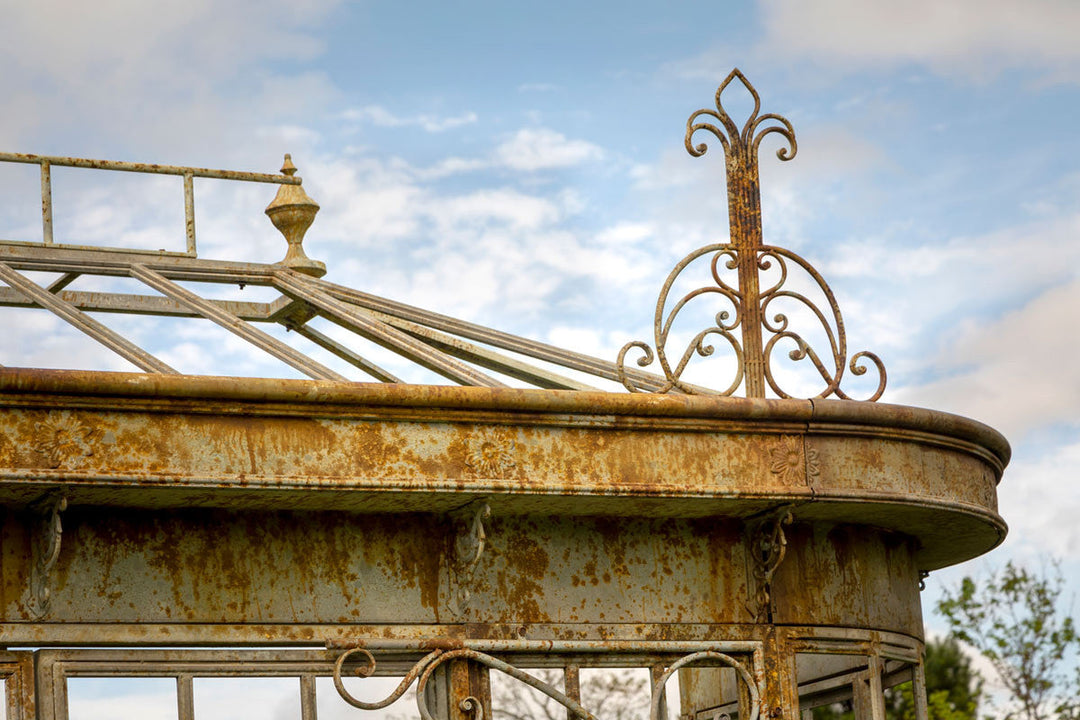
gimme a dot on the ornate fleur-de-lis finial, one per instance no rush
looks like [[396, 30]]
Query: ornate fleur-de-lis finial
[[741, 153], [748, 256]]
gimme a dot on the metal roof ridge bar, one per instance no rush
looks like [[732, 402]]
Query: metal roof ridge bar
[[496, 338], [303, 287], [265, 342], [130, 304], [80, 320], [331, 345], [149, 168], [490, 359], [102, 260]]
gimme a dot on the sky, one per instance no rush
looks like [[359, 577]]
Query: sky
[[522, 166]]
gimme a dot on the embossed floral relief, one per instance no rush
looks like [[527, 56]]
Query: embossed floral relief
[[792, 460], [490, 456], [64, 440]]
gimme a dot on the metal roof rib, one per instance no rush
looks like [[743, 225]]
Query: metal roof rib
[[80, 320]]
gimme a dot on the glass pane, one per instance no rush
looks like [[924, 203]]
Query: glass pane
[[609, 693], [624, 693], [276, 698], [828, 685], [121, 698], [710, 692], [512, 699], [331, 706]]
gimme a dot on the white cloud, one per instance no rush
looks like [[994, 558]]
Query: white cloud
[[183, 76], [974, 37], [1017, 372], [41, 339], [451, 166], [380, 116], [1040, 498], [624, 233], [501, 206], [531, 149]]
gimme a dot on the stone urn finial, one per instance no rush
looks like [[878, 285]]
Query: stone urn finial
[[292, 212]]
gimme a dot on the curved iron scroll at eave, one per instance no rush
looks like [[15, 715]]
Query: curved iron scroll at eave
[[427, 665], [424, 668], [727, 321], [747, 138]]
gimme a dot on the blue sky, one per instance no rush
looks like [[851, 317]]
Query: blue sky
[[521, 165]]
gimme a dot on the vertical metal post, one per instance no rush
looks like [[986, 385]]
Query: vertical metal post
[[19, 686], [49, 688], [189, 211], [780, 698], [744, 216], [656, 671], [185, 697], [437, 695], [480, 688], [877, 692], [860, 697], [572, 687], [918, 691], [460, 689], [46, 203], [308, 706]]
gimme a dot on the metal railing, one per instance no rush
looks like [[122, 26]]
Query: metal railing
[[47, 162]]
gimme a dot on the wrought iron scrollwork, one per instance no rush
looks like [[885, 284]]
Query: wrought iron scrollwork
[[735, 140], [747, 321], [769, 545], [712, 655], [45, 551], [427, 665], [831, 363], [421, 673], [467, 549]]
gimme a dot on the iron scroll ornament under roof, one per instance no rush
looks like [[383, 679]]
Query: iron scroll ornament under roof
[[747, 304]]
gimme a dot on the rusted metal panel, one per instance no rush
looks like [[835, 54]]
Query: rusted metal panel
[[155, 442], [848, 575], [17, 673], [204, 567]]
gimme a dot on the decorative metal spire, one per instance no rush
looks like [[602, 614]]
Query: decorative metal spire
[[292, 213], [749, 257]]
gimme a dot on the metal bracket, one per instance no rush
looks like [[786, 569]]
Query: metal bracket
[[45, 550], [768, 546], [468, 547]]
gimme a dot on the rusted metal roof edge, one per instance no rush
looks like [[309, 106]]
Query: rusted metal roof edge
[[518, 401]]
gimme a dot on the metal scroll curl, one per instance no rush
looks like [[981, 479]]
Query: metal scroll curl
[[427, 665], [830, 363], [746, 139], [421, 672], [726, 323], [712, 655], [832, 323]]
